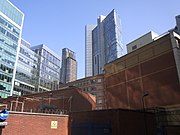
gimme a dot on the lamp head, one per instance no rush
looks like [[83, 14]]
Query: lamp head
[[145, 94]]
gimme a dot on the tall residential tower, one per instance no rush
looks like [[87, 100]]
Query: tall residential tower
[[68, 66], [106, 42], [11, 23]]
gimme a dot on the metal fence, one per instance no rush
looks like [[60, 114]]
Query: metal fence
[[166, 117]]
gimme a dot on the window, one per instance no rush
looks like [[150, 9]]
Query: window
[[134, 47], [99, 94], [99, 87], [99, 101], [2, 30], [99, 80], [93, 88], [93, 81], [178, 42]]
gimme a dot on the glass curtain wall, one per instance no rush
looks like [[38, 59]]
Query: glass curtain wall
[[11, 21]]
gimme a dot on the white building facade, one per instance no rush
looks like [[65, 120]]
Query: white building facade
[[141, 41]]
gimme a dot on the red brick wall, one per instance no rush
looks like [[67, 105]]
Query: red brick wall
[[35, 124], [67, 99], [81, 101], [124, 122], [156, 74]]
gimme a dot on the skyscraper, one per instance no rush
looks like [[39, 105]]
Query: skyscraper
[[49, 68], [26, 78], [88, 50], [177, 27], [106, 42], [68, 66], [178, 24], [11, 23]]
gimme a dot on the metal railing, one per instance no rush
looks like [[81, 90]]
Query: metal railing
[[44, 111]]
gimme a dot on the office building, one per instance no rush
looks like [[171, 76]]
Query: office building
[[106, 42], [88, 50], [177, 28], [141, 41], [49, 68], [26, 78], [11, 23], [68, 66]]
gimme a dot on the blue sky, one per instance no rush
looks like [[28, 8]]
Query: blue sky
[[61, 23]]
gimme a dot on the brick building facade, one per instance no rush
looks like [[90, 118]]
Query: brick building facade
[[154, 68], [99, 122], [35, 124], [93, 85], [112, 122], [61, 101]]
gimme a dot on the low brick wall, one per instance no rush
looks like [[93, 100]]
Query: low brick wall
[[35, 124]]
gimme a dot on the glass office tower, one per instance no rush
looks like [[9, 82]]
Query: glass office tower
[[68, 66], [98, 47], [49, 68], [88, 50], [11, 23], [106, 42], [112, 37], [26, 78], [177, 28]]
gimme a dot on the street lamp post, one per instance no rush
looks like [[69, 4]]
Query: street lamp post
[[144, 95], [70, 104], [49, 98], [145, 121], [63, 103]]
